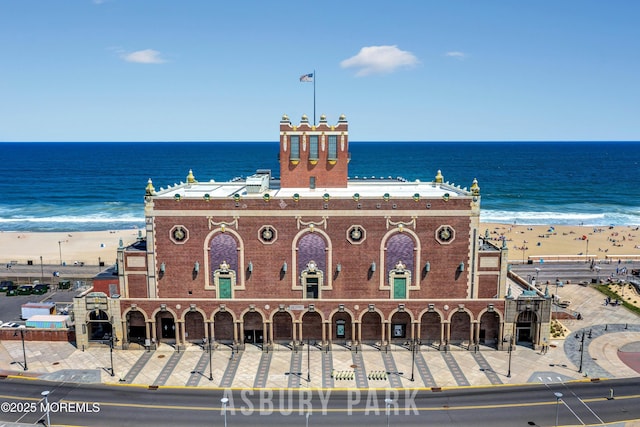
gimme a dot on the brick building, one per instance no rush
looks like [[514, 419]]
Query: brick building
[[312, 254]]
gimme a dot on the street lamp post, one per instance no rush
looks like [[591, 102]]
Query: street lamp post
[[45, 394], [308, 361], [60, 250], [558, 397], [41, 270], [224, 401], [388, 402], [587, 252], [112, 341], [24, 351], [413, 357], [509, 351], [210, 364], [581, 351], [511, 342]]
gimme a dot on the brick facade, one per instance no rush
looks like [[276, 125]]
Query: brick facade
[[347, 261]]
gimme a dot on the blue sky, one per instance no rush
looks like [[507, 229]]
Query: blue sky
[[155, 70]]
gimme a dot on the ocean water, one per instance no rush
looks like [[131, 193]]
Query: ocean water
[[100, 186]]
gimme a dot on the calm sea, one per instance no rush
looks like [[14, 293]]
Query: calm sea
[[100, 186]]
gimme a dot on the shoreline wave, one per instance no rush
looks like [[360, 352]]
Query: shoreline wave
[[99, 222]]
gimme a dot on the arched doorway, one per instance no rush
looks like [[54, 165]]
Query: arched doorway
[[526, 327], [223, 327], [460, 332], [253, 328], [489, 329], [312, 327], [400, 327], [282, 327], [371, 327], [194, 326], [341, 327], [166, 327], [136, 327], [99, 326], [430, 328]]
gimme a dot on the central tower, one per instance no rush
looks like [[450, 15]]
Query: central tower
[[314, 156]]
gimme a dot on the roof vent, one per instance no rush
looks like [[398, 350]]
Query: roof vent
[[257, 183]]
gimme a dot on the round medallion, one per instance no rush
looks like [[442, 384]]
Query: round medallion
[[267, 234], [445, 234], [356, 234], [179, 234]]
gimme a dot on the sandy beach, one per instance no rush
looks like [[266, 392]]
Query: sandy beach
[[55, 248], [570, 242], [539, 241]]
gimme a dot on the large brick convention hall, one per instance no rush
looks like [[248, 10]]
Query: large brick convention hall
[[308, 253]]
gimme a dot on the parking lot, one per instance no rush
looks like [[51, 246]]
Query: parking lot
[[10, 305], [21, 274]]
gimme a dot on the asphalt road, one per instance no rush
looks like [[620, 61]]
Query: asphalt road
[[533, 405], [573, 271]]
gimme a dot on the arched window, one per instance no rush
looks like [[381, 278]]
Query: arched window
[[399, 263], [223, 259], [312, 264]]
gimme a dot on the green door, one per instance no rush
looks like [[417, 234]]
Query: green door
[[224, 287], [399, 288]]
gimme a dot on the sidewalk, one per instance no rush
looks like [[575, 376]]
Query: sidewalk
[[612, 329]]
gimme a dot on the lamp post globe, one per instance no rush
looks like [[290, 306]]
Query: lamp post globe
[[558, 396]]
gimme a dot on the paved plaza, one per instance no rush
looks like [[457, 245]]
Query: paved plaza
[[612, 336]]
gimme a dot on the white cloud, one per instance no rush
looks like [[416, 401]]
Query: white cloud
[[146, 56], [379, 60], [455, 54]]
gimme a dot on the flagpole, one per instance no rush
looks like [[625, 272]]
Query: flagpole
[[314, 97]]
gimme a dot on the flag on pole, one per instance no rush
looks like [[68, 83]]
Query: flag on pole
[[306, 77]]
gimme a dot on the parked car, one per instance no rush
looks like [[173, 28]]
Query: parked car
[[12, 290], [25, 290], [12, 325], [64, 284], [40, 288], [5, 285]]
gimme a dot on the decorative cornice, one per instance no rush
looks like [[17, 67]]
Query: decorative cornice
[[311, 224], [401, 224], [222, 224]]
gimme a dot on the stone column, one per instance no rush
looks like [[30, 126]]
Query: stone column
[[325, 326], [295, 332], [271, 332], [125, 335], [475, 332], [235, 332], [389, 336], [183, 333], [154, 333]]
